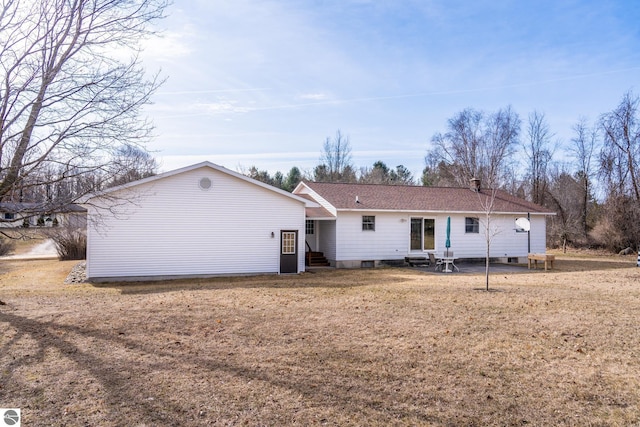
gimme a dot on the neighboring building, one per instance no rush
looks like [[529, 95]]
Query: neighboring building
[[361, 225], [27, 215], [201, 220]]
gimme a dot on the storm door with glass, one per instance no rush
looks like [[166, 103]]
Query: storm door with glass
[[288, 251]]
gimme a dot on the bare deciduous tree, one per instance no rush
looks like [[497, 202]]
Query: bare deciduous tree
[[618, 227], [502, 135], [539, 153], [564, 197], [620, 171], [486, 200], [477, 145], [72, 89], [335, 161], [584, 147], [620, 153], [131, 163], [460, 146]]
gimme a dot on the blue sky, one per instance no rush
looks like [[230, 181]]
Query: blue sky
[[265, 82]]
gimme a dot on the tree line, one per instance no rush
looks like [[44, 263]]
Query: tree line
[[592, 182], [336, 165]]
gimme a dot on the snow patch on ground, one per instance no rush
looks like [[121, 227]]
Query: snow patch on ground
[[46, 249]]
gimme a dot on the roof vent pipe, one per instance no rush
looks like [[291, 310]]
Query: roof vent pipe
[[475, 185], [357, 200]]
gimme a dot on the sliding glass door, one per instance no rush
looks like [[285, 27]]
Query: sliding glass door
[[423, 237]]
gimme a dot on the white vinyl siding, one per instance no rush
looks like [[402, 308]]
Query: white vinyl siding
[[393, 233], [327, 239], [231, 228], [506, 242], [390, 240]]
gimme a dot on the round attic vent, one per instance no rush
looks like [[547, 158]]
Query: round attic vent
[[205, 183]]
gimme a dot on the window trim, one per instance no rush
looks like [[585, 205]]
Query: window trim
[[471, 225], [423, 235], [288, 243], [368, 223], [310, 227]]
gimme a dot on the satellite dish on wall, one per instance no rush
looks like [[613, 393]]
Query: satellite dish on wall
[[523, 223]]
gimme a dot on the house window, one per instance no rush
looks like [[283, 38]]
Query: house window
[[423, 234], [288, 243], [310, 227], [9, 215], [471, 225], [368, 223]]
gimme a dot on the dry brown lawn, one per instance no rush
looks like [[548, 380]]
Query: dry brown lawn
[[361, 347]]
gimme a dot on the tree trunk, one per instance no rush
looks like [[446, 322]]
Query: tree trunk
[[486, 267]]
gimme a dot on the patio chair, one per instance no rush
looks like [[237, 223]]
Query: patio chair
[[432, 260]]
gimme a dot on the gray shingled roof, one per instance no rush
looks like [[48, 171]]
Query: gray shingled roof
[[418, 198]]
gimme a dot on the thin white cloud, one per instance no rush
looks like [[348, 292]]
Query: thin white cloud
[[320, 99], [186, 109], [211, 108], [169, 45], [314, 96], [208, 91]]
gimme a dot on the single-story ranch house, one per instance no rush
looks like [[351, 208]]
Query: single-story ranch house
[[205, 220], [20, 214], [365, 225]]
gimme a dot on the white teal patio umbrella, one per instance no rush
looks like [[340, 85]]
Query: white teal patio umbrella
[[447, 243]]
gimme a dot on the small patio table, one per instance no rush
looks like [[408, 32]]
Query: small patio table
[[449, 265]]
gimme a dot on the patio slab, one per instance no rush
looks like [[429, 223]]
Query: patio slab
[[478, 267]]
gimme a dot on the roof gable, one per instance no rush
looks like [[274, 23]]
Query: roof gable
[[165, 175], [418, 198]]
